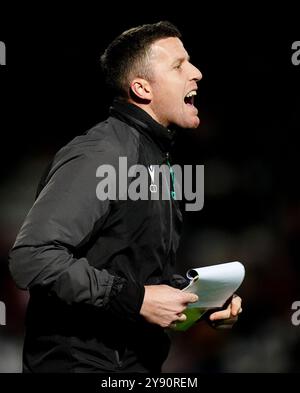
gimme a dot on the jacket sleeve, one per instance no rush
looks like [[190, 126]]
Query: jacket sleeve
[[62, 217], [178, 281]]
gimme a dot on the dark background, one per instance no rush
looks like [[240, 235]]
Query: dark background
[[249, 100]]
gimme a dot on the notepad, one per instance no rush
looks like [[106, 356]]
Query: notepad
[[214, 285]]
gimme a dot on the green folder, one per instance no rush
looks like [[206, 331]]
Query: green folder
[[193, 315]]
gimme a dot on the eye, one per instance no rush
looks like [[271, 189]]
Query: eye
[[178, 66]]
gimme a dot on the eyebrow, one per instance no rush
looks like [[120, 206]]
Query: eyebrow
[[181, 60]]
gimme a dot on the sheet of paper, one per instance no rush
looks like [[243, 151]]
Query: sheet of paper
[[214, 284]]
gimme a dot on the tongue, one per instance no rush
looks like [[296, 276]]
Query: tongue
[[189, 100]]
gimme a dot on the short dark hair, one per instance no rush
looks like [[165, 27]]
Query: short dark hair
[[128, 54]]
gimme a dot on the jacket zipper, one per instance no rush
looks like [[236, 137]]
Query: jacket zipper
[[170, 204], [119, 362]]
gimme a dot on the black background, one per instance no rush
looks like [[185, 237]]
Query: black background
[[249, 99]]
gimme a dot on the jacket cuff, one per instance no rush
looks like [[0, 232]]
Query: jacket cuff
[[126, 299], [178, 281]]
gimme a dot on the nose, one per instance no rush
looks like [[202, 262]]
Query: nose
[[196, 74]]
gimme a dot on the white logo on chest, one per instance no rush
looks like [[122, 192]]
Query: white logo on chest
[[153, 186]]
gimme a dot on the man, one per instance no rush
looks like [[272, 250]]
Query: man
[[101, 271]]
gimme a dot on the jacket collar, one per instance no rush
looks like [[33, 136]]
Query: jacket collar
[[144, 123]]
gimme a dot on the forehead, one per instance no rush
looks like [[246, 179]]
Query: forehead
[[168, 49]]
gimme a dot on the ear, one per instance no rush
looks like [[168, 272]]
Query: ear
[[141, 88]]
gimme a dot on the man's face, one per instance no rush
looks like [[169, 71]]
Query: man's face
[[174, 84]]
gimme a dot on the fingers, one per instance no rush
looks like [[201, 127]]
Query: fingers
[[223, 314], [224, 324], [225, 319], [189, 297], [181, 317], [236, 303], [232, 310], [164, 305]]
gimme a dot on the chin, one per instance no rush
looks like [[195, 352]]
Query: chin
[[192, 123]]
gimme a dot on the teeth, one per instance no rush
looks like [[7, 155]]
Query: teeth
[[191, 93]]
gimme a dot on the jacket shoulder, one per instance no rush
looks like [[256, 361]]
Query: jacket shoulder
[[102, 144], [110, 135], [111, 138]]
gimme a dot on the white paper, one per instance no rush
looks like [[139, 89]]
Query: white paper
[[215, 284]]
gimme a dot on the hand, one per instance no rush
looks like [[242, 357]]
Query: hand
[[164, 305], [225, 319]]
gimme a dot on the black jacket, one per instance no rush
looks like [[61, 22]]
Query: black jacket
[[86, 261]]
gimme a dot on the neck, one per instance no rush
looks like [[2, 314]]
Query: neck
[[147, 108]]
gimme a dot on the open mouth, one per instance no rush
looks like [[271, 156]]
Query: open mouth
[[189, 98]]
